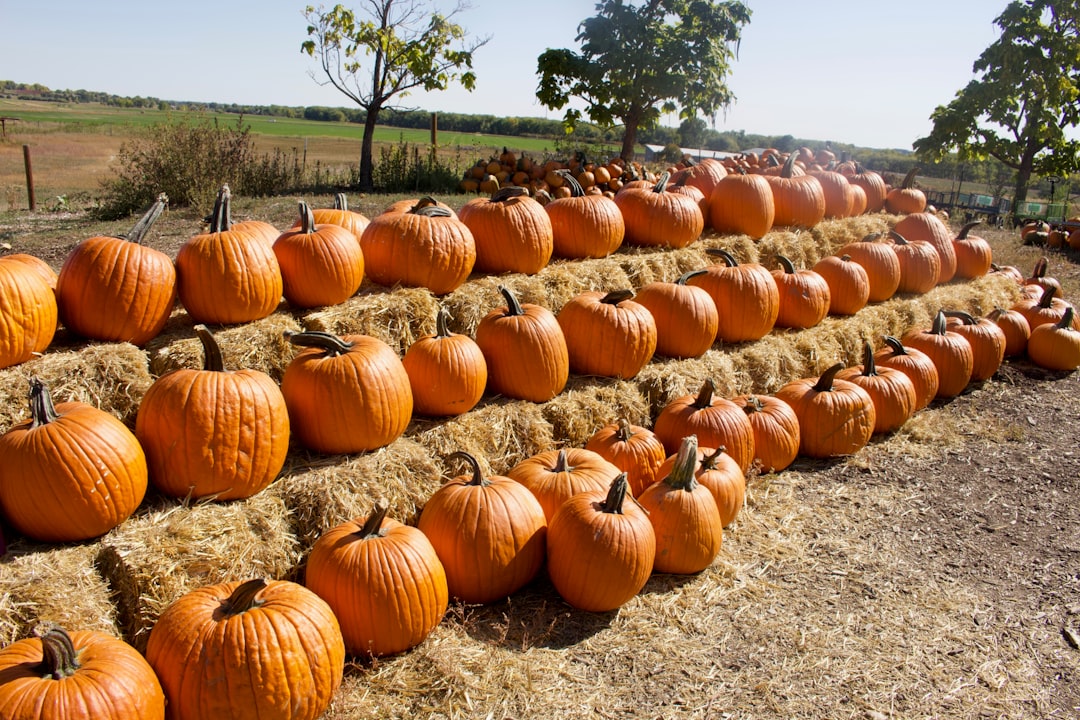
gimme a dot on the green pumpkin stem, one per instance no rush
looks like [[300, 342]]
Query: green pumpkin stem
[[332, 344], [1048, 296], [42, 410], [662, 182], [705, 394], [789, 166], [341, 202], [616, 495], [683, 473], [964, 317], [373, 523], [243, 597], [709, 461], [938, 326], [685, 277], [561, 463], [146, 221], [221, 217], [727, 257], [825, 382], [872, 237], [432, 211], [442, 323], [909, 179], [869, 367], [58, 656], [474, 465], [575, 187], [753, 405], [1066, 320], [510, 191], [212, 360]]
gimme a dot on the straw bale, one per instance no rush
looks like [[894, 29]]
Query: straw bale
[[831, 235], [47, 585], [155, 557], [587, 404], [645, 265], [323, 492], [399, 316], [473, 300], [257, 345], [499, 434], [110, 376]]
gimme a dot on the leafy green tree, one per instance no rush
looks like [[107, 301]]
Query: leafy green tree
[[1022, 99], [408, 48], [638, 62]]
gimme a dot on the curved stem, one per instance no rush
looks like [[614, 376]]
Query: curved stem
[[964, 317], [786, 264], [624, 433], [510, 191], [513, 307], [869, 367], [685, 277], [728, 258], [909, 179], [896, 346], [617, 493], [212, 360], [221, 217], [477, 475], [825, 382], [58, 656], [42, 410], [705, 394], [617, 296], [938, 326], [341, 202], [962, 235], [709, 461], [1066, 320], [332, 344], [683, 476], [898, 238], [789, 166], [661, 183], [307, 218], [442, 323], [243, 597], [872, 237]]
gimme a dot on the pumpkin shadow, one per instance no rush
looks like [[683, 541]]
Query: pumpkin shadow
[[533, 617]]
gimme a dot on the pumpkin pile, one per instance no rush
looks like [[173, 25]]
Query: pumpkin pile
[[598, 519]]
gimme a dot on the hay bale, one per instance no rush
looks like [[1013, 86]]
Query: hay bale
[[110, 376], [46, 585], [323, 492], [258, 345], [154, 558], [589, 403], [398, 316]]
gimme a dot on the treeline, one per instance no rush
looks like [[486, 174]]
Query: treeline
[[690, 134]]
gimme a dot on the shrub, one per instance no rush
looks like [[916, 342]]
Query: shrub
[[403, 169]]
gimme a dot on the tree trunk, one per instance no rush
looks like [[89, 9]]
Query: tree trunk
[[1023, 177], [629, 139], [367, 163]]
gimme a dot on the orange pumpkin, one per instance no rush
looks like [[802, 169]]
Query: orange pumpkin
[[742, 203], [585, 226], [554, 476], [804, 296], [799, 198], [28, 312], [848, 281], [950, 351], [836, 417], [914, 363], [974, 256], [716, 421], [776, 430], [320, 264], [927, 227], [686, 316], [654, 217], [447, 371], [633, 449], [891, 390], [746, 297], [987, 341], [607, 334], [511, 231], [880, 262], [906, 199]]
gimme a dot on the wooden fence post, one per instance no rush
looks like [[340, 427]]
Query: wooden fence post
[[29, 178]]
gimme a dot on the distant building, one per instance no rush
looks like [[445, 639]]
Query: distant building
[[652, 152]]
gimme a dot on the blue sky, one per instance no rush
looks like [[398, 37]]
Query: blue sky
[[858, 71]]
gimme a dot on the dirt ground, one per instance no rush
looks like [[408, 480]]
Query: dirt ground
[[934, 574]]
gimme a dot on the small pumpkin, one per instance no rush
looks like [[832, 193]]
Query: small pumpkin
[[804, 296], [447, 371], [717, 471], [881, 263], [1056, 346], [716, 421], [776, 430], [633, 449], [891, 390], [974, 256], [28, 312], [1015, 327], [836, 417], [340, 215], [987, 341], [906, 198], [914, 363], [848, 281]]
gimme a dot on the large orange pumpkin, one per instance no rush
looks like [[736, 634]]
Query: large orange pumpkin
[[745, 295], [891, 390], [927, 227], [836, 417], [633, 449], [71, 472], [776, 430], [213, 433], [320, 264], [798, 197], [986, 338], [585, 226], [881, 263], [685, 315], [914, 363], [950, 351], [906, 198], [257, 649], [716, 421], [804, 296], [117, 289], [607, 334], [655, 217], [554, 476], [742, 203], [28, 312], [511, 230]]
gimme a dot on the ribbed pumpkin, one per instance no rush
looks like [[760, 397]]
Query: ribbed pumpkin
[[836, 417], [489, 533], [585, 226], [345, 394], [839, 199], [320, 264], [906, 199], [28, 312], [1045, 308], [525, 350], [447, 371], [601, 549], [383, 580], [804, 296], [84, 674], [914, 363], [715, 470], [220, 650], [920, 264], [425, 245], [776, 430], [986, 338], [704, 174], [928, 228], [685, 315], [742, 203], [1056, 346], [974, 256], [798, 197], [213, 433], [891, 390], [71, 471], [716, 422], [881, 263], [849, 283], [32, 262], [1015, 327], [633, 449], [873, 185], [116, 289], [745, 295], [655, 217], [511, 230], [685, 518], [554, 476], [340, 215], [607, 334], [1040, 280], [228, 274], [950, 351], [858, 200]]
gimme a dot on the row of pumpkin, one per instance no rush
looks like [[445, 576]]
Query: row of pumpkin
[[375, 586]]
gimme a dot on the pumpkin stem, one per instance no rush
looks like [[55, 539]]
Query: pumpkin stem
[[432, 211], [42, 410], [575, 187], [872, 237], [341, 202], [442, 323], [624, 433], [938, 326], [243, 597], [682, 475], [1047, 298], [825, 382], [705, 394], [753, 405], [510, 191], [221, 217], [869, 367], [1066, 320], [513, 307], [477, 476], [661, 184], [373, 523], [212, 360], [789, 166], [423, 202], [909, 179], [143, 226], [964, 317], [561, 464], [709, 461], [962, 235], [617, 296], [728, 258], [307, 218], [898, 238], [786, 264], [58, 656], [685, 277], [617, 493], [332, 344]]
